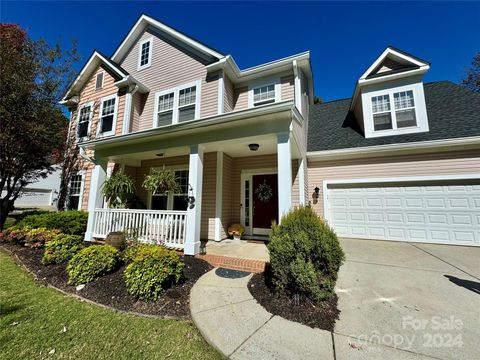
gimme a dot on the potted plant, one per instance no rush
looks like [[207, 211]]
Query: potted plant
[[117, 189], [236, 230], [161, 181]]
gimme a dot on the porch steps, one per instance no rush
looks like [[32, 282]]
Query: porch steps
[[249, 265]]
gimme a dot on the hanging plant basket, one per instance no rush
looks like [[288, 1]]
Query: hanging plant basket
[[264, 192], [161, 181]]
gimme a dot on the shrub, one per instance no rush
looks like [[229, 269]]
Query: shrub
[[37, 238], [62, 248], [68, 222], [305, 255], [13, 236], [152, 269], [90, 263]]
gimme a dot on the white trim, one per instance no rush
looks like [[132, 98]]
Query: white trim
[[397, 149], [141, 25], [127, 113], [114, 121], [301, 181], [150, 52], [175, 110], [194, 211], [90, 120], [221, 94], [297, 88], [406, 179], [247, 174], [285, 183], [95, 197], [275, 81], [219, 197]]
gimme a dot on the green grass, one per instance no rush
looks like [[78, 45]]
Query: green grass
[[33, 319], [10, 221]]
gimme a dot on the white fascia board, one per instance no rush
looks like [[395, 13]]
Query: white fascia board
[[143, 22], [229, 65], [193, 124], [395, 149]]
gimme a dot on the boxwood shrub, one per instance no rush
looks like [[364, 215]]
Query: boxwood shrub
[[68, 222], [91, 263], [152, 269], [305, 255], [62, 248]]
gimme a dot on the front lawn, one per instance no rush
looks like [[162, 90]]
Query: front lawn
[[37, 323]]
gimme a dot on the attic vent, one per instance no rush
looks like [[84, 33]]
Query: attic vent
[[99, 82]]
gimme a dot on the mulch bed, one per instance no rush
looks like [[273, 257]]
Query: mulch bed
[[298, 309], [110, 289]]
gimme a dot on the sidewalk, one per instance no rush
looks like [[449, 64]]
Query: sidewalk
[[231, 320]]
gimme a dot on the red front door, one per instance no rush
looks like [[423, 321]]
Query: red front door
[[265, 200]]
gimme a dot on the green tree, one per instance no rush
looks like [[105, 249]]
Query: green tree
[[472, 80], [33, 75]]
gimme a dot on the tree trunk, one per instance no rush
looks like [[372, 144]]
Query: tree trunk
[[6, 205]]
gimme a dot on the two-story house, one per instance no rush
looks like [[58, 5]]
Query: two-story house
[[398, 161]]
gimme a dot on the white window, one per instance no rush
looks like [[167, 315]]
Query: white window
[[108, 114], [177, 105], [99, 81], [84, 118], [145, 54], [264, 95], [400, 115], [172, 201], [74, 192]]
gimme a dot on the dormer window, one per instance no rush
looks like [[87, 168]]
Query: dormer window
[[401, 115], [145, 54]]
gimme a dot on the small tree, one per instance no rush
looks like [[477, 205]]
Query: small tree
[[118, 189], [32, 125], [472, 80]]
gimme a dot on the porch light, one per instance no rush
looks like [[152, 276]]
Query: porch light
[[159, 154], [253, 147]]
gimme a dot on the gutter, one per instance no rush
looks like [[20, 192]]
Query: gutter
[[395, 149]]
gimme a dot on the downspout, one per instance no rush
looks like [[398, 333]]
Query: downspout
[[127, 116]]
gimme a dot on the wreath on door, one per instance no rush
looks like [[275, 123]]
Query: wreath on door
[[264, 192]]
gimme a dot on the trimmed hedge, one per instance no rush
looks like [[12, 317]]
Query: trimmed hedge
[[62, 248], [91, 263], [152, 269], [305, 255], [68, 222]]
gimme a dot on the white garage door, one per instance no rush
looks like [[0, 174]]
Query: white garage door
[[37, 197], [446, 212]]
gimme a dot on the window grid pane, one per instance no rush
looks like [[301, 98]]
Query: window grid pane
[[380, 103], [187, 96], [264, 93], [108, 107], [85, 114], [165, 102], [108, 110], [145, 53], [404, 100], [75, 184]]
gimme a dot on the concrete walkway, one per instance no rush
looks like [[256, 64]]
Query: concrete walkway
[[233, 322]]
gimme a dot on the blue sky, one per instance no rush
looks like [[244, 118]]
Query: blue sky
[[344, 37]]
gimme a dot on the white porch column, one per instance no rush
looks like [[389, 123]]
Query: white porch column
[[284, 164], [301, 181], [194, 210], [219, 197], [95, 197]]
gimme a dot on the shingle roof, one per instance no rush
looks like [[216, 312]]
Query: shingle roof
[[453, 112]]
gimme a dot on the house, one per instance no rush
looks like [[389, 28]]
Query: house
[[398, 161]]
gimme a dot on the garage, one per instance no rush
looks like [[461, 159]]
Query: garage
[[433, 211], [34, 197]]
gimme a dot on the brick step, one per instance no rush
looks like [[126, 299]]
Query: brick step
[[256, 266]]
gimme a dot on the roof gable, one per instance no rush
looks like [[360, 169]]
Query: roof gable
[[145, 21]]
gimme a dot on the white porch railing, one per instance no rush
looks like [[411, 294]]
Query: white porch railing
[[152, 226]]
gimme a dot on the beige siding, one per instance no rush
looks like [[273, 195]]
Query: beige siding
[[229, 100], [295, 184], [171, 66], [208, 196], [288, 87], [227, 202], [240, 99], [138, 103], [408, 165]]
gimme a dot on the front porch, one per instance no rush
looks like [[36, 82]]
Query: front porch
[[219, 173]]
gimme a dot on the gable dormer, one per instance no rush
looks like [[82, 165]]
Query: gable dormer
[[389, 97]]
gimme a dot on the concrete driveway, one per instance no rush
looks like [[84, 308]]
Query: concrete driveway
[[408, 301]]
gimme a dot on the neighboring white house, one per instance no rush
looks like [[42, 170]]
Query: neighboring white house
[[41, 194]]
